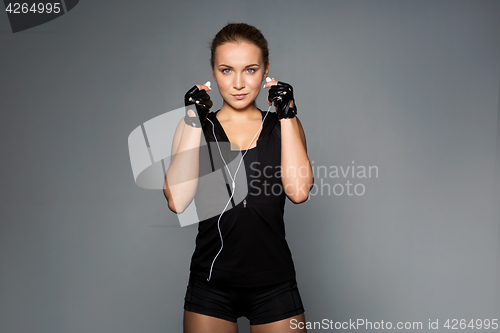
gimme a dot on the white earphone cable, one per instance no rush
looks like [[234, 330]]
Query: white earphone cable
[[233, 184]]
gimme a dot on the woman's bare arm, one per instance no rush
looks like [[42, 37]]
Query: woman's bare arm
[[296, 175], [181, 179]]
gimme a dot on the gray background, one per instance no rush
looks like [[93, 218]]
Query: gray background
[[411, 87]]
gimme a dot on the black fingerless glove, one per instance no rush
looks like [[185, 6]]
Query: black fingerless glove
[[282, 96], [202, 102]]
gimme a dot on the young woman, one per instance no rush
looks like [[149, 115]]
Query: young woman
[[241, 265]]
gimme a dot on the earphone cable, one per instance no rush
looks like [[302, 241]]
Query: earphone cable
[[233, 185]]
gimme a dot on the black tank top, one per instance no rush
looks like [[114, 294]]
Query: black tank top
[[255, 252]]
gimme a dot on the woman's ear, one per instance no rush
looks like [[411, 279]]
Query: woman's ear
[[266, 71]]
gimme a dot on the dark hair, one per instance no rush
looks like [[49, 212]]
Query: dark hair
[[240, 32]]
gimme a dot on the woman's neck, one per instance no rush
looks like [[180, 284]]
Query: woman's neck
[[229, 113]]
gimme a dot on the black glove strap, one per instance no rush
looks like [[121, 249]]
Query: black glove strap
[[192, 121], [287, 112]]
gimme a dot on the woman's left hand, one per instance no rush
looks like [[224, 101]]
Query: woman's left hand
[[281, 94]]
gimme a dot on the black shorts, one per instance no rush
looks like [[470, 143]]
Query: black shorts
[[261, 305]]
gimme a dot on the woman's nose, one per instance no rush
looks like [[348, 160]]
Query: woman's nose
[[239, 81]]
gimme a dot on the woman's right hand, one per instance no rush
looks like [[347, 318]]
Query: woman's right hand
[[198, 96]]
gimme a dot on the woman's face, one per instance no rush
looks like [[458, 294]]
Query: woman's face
[[239, 72]]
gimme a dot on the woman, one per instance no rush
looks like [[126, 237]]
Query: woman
[[242, 265]]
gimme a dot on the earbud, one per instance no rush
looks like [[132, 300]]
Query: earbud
[[208, 84], [267, 80]]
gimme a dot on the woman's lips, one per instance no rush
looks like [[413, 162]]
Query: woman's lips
[[240, 96]]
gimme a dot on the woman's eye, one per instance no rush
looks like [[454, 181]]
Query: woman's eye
[[227, 70]]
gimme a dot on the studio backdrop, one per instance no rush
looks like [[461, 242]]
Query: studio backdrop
[[399, 101]]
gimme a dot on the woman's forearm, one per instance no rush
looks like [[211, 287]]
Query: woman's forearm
[[296, 171], [181, 179]]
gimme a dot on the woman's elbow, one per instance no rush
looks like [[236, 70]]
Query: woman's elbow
[[299, 193], [178, 209], [298, 198]]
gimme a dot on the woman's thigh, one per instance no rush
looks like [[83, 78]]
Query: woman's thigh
[[281, 326], [198, 323]]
